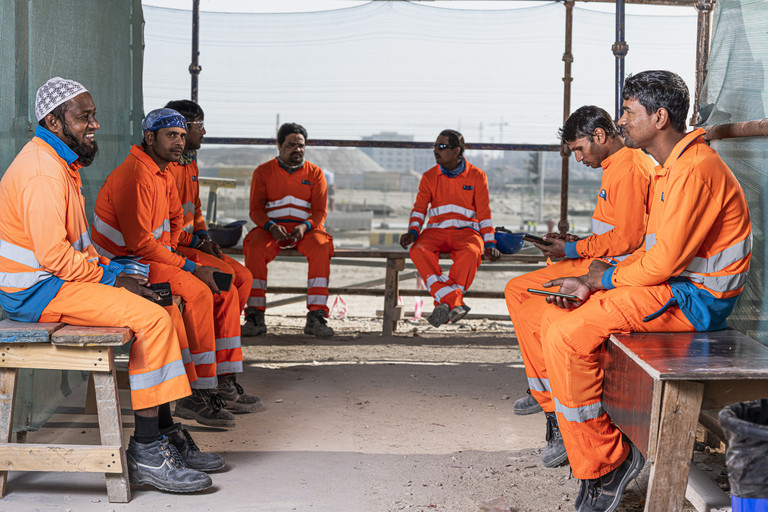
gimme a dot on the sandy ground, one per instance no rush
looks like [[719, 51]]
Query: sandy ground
[[421, 421]]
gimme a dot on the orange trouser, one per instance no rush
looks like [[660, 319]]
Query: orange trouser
[[198, 318], [260, 248], [226, 316], [466, 248], [155, 369], [561, 358], [243, 277], [181, 333]]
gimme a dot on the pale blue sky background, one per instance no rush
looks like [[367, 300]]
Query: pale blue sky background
[[491, 69]]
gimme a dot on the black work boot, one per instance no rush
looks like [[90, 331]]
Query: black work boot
[[604, 494], [237, 399], [458, 313], [554, 453], [440, 315], [526, 405], [160, 465], [254, 323], [206, 407], [190, 453], [317, 325]]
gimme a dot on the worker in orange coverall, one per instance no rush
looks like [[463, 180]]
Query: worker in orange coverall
[[454, 194], [50, 272], [138, 214], [194, 242], [618, 228], [288, 206], [686, 277]]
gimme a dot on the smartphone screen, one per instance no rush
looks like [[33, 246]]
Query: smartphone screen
[[223, 280], [553, 294], [537, 239]]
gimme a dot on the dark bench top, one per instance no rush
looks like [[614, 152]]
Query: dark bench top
[[717, 355]]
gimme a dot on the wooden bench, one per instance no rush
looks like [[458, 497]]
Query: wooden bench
[[394, 263], [64, 347], [657, 385]]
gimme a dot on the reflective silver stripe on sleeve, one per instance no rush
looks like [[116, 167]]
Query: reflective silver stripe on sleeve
[[23, 279], [317, 282], [720, 284], [317, 300], [157, 377], [259, 284], [188, 207], [208, 357], [228, 343], [452, 208], [486, 223], [454, 223], [721, 260], [489, 237], [165, 226], [415, 224], [289, 212], [417, 215], [18, 254], [102, 251], [83, 242], [650, 241], [541, 385], [580, 414], [108, 232], [189, 229], [600, 227], [292, 200]]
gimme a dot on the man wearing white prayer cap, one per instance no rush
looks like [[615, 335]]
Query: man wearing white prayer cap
[[50, 272]]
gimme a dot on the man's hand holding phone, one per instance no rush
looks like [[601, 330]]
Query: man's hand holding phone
[[569, 286]]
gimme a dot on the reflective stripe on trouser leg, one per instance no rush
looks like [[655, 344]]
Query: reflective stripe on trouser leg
[[155, 368], [317, 246], [425, 254], [572, 341], [226, 320], [181, 333], [259, 248], [198, 319]]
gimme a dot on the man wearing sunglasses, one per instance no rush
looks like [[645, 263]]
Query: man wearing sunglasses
[[454, 194]]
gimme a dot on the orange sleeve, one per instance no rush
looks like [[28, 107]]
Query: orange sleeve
[[134, 213], [199, 220], [176, 216], [420, 206], [483, 206], [630, 202], [44, 200], [258, 197], [319, 202]]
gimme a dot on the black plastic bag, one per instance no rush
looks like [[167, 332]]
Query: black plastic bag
[[746, 427]]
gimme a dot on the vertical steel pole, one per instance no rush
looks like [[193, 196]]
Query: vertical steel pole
[[194, 67], [702, 54], [565, 153], [620, 49]]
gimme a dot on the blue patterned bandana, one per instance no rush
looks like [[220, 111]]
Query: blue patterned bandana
[[163, 118]]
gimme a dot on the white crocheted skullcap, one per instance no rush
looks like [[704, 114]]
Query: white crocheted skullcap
[[53, 93]]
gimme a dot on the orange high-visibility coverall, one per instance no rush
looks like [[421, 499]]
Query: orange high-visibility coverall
[[49, 270], [289, 199], [186, 177], [459, 223], [687, 277], [133, 217], [618, 228]]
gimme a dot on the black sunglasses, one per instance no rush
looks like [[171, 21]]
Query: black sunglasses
[[443, 146]]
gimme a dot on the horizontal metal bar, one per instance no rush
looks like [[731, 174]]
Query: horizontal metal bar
[[757, 128]]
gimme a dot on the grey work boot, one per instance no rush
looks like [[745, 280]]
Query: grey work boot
[[206, 407], [160, 465], [554, 453], [440, 315], [526, 405], [458, 313], [190, 453], [254, 323], [604, 494], [237, 399], [317, 325]]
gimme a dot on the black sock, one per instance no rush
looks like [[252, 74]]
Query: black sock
[[147, 429], [164, 413]]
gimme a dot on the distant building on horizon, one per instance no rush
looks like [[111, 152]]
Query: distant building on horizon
[[400, 160]]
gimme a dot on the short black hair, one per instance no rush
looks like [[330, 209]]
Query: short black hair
[[657, 89], [289, 128], [57, 112], [584, 121], [187, 108], [455, 139]]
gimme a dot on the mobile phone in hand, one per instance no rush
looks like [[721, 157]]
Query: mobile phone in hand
[[164, 291], [534, 238], [553, 294], [223, 280]]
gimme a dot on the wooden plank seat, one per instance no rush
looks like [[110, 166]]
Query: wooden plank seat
[[64, 347], [394, 264], [656, 386]]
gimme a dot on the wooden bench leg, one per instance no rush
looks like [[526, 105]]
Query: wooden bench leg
[[680, 408], [8, 378], [110, 427], [392, 311]]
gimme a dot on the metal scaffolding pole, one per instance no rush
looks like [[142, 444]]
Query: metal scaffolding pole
[[565, 153], [194, 67], [620, 49], [702, 54]]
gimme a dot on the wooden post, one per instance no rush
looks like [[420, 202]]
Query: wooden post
[[392, 311]]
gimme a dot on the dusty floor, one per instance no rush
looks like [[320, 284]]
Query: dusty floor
[[421, 422]]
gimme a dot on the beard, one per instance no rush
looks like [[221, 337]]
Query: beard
[[85, 152]]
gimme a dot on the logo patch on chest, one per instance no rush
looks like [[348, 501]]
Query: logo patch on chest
[[306, 182], [468, 187], [603, 194], [662, 197], [194, 178]]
